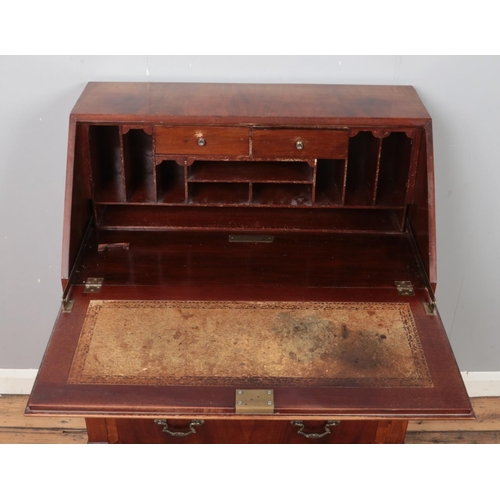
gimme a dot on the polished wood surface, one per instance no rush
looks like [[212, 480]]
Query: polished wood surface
[[77, 205], [421, 211], [202, 103], [200, 259]]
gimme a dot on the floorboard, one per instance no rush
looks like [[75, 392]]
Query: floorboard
[[16, 435], [453, 437]]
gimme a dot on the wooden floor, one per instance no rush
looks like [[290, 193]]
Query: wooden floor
[[15, 428]]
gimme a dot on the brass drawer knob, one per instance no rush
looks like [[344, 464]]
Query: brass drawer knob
[[299, 145], [201, 141]]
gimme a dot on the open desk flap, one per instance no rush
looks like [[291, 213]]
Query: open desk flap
[[160, 351]]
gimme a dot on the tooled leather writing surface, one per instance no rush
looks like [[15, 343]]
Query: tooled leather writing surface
[[241, 343]]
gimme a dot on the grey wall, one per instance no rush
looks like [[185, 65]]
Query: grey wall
[[461, 94]]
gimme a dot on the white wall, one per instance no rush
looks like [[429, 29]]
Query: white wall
[[461, 94]]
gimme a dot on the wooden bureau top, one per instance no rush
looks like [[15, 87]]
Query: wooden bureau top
[[273, 104]]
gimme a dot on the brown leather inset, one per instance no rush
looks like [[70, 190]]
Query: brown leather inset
[[250, 343]]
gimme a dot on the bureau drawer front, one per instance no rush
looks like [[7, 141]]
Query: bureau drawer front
[[299, 143], [262, 431], [192, 140], [249, 431]]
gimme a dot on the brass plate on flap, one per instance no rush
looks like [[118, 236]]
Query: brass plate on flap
[[254, 401]]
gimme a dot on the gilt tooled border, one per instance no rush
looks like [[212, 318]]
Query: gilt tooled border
[[422, 377]]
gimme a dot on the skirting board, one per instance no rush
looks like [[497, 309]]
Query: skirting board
[[16, 381], [478, 384], [482, 384]]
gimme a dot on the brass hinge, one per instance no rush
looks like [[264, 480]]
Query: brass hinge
[[430, 308], [93, 285], [67, 305], [254, 401], [405, 287]]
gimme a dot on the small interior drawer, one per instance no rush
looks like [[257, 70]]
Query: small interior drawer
[[299, 143], [202, 140]]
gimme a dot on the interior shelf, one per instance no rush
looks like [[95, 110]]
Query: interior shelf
[[293, 195], [254, 182], [206, 193], [248, 218], [250, 171]]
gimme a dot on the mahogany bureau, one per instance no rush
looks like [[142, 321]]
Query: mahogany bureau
[[249, 264]]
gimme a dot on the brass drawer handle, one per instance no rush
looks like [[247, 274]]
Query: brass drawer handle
[[201, 141], [299, 145], [314, 435], [192, 430]]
